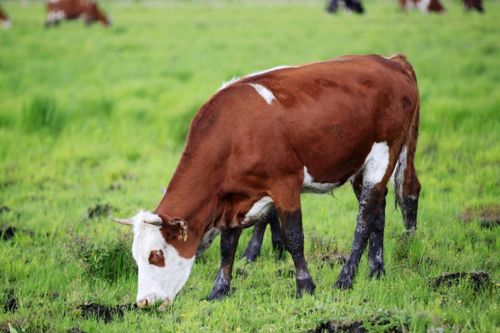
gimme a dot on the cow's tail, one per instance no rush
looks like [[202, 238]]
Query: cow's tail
[[406, 184]]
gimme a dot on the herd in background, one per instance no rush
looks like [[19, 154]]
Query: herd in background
[[89, 11], [425, 6]]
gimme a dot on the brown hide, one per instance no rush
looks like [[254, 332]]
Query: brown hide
[[325, 116], [74, 9]]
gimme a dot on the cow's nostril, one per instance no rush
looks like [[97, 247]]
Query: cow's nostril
[[142, 303]]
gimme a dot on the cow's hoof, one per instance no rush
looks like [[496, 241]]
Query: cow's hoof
[[251, 255], [305, 286], [343, 283], [377, 271], [217, 294]]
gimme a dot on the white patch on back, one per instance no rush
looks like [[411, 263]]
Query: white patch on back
[[310, 186], [157, 283], [263, 92], [376, 163]]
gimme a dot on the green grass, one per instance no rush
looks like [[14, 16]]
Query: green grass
[[93, 116]]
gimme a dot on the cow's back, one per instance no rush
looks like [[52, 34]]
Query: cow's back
[[325, 115]]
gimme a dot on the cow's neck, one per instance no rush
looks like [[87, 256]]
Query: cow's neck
[[192, 196]]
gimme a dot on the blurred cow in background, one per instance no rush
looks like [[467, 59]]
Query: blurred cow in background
[[4, 19], [58, 10], [474, 4], [425, 6], [352, 5]]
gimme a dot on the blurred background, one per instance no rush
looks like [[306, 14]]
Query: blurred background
[[93, 117]]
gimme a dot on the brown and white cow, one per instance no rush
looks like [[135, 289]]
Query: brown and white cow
[[424, 6], [58, 10], [474, 5], [260, 142], [4, 19]]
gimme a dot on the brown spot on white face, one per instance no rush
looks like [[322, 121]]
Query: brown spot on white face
[[156, 258]]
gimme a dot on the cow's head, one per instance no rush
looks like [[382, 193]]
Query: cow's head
[[99, 15], [162, 270]]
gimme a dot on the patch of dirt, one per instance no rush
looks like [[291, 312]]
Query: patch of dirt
[[488, 216], [10, 303], [7, 232], [378, 323], [5, 327], [334, 259], [103, 312], [241, 273], [324, 250], [99, 210], [479, 280]]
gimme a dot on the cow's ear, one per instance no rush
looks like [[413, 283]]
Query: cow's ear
[[174, 228]]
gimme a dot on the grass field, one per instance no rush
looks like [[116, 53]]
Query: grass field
[[92, 124]]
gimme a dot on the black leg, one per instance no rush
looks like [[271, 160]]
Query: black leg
[[228, 244], [294, 241], [253, 248], [369, 205], [276, 234], [376, 242]]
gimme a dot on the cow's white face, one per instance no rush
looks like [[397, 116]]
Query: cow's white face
[[162, 271]]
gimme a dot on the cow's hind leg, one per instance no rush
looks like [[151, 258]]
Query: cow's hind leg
[[371, 191], [254, 246], [376, 238], [228, 244]]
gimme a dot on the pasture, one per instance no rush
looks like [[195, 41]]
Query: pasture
[[92, 125]]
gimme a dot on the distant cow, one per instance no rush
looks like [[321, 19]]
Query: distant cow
[[58, 10], [474, 4], [4, 19], [425, 6], [260, 142], [353, 5]]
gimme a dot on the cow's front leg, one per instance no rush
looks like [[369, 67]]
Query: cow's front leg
[[294, 241], [228, 244], [370, 201]]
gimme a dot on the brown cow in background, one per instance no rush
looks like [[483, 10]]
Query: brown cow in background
[[4, 19], [58, 10], [474, 4], [425, 6]]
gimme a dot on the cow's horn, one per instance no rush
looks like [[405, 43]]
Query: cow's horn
[[124, 221], [154, 220]]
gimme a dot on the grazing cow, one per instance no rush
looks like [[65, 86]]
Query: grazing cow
[[425, 6], [58, 10], [4, 19], [352, 5], [262, 140], [474, 4]]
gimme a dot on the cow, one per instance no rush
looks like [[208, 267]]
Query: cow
[[424, 6], [4, 19], [58, 10], [474, 5], [352, 5], [264, 139]]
